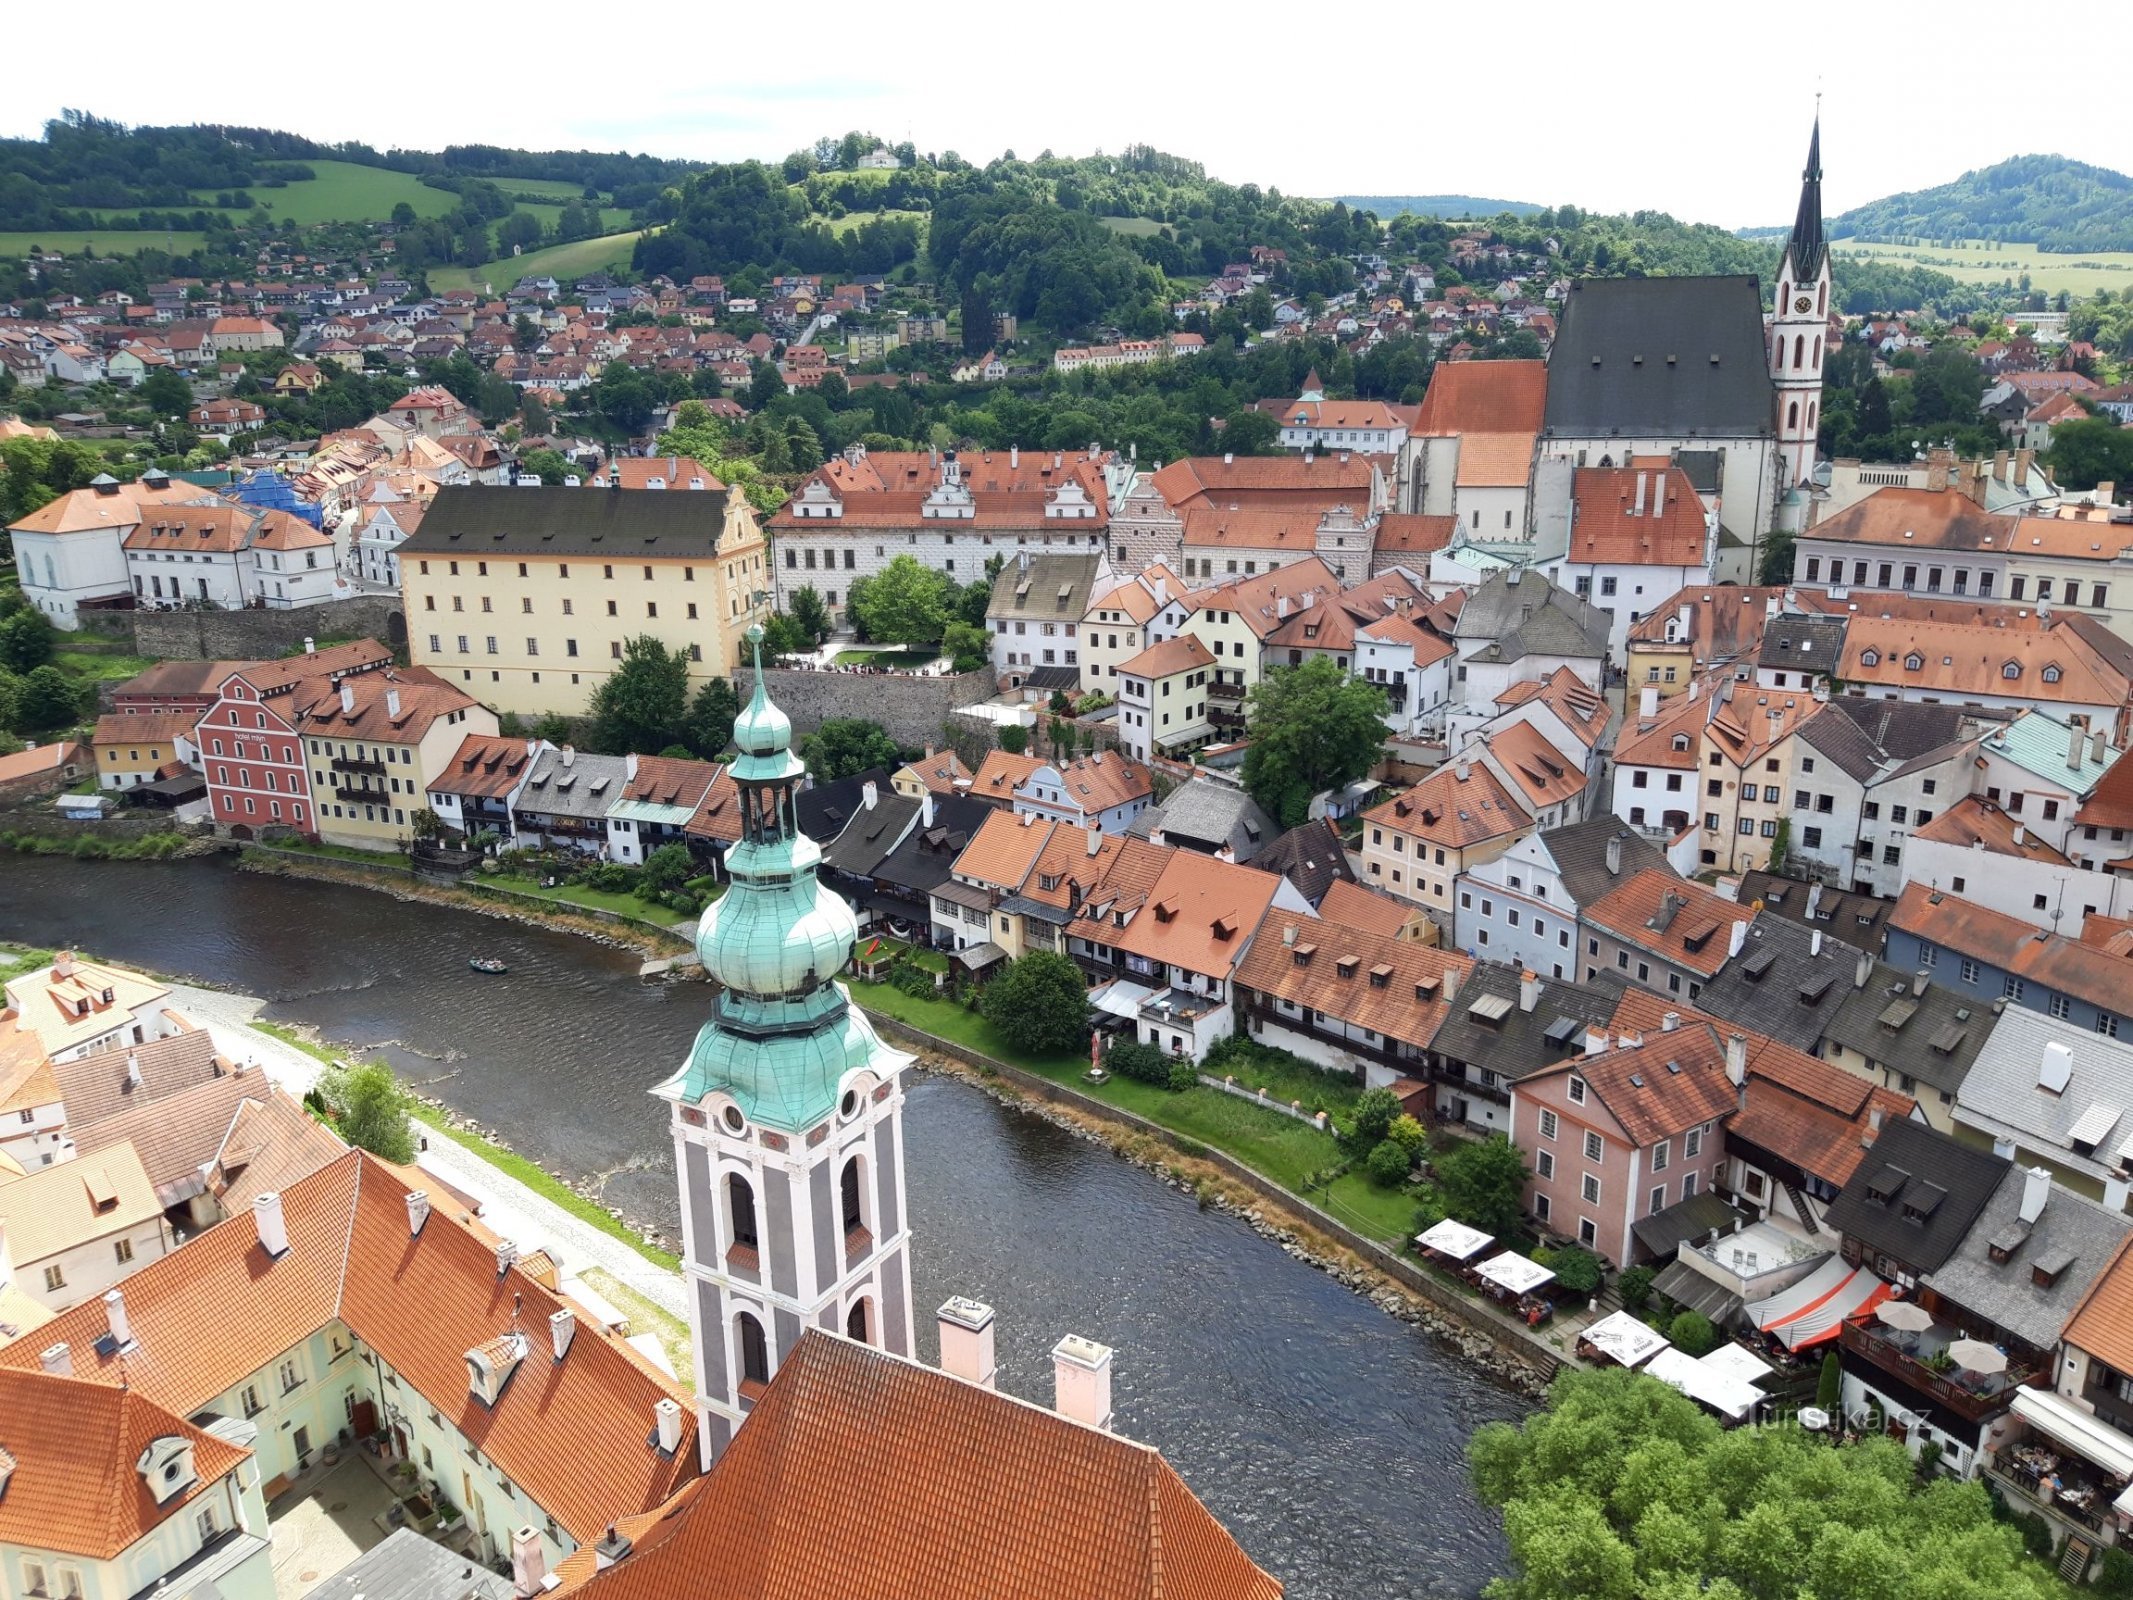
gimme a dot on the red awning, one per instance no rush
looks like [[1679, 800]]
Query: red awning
[[1808, 1313]]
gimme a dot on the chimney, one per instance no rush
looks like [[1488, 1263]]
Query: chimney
[[529, 1568], [2021, 835], [310, 646], [1999, 466], [1081, 1373], [629, 768], [348, 698], [1462, 769], [1737, 938], [1814, 941], [613, 1546], [1229, 458], [2075, 741], [133, 1070], [1637, 510], [1614, 856], [57, 1359], [2056, 1070], [1450, 984], [1670, 1023], [273, 1232], [2023, 459], [1529, 990], [869, 793], [1937, 464], [666, 1416], [569, 755], [1096, 840], [2096, 747], [1595, 1041], [1863, 972], [966, 1340], [63, 964], [1920, 982], [1737, 1059], [506, 1256], [418, 1211], [392, 705], [2036, 1190], [1014, 455], [925, 809], [562, 1328], [1648, 701], [115, 1314]]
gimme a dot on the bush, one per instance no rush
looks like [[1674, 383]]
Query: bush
[[1635, 1286], [1693, 1334], [1129, 1058], [1182, 1075], [909, 978], [2114, 1573], [1829, 1388], [1409, 1135], [1387, 1165], [1374, 1114], [609, 877], [1014, 740], [1577, 1269]]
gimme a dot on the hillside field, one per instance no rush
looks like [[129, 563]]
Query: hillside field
[[1133, 227], [562, 261], [104, 241], [1976, 262], [345, 192]]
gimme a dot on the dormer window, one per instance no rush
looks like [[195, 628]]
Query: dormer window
[[1681, 741], [489, 1366], [1870, 658], [2011, 669], [166, 1467], [1914, 662], [2051, 674]]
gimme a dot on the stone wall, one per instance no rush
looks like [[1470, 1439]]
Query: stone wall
[[912, 709], [263, 635]]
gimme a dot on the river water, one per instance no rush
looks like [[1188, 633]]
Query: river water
[[1326, 1435]]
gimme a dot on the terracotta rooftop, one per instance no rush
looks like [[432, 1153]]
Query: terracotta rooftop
[[397, 705], [1199, 914], [1006, 849], [1351, 905], [2102, 1324], [1484, 397], [2016, 947], [1928, 519], [1628, 516], [1681, 922], [1181, 654], [485, 766], [1974, 822], [1000, 774], [1394, 987], [2057, 665], [1447, 810], [115, 728]]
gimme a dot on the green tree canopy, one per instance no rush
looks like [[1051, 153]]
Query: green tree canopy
[[1482, 1183], [1040, 1004], [643, 704], [547, 465], [166, 393], [670, 866], [1313, 728], [844, 747], [370, 1109], [711, 714], [25, 640], [2090, 450], [809, 611], [46, 700], [905, 603]]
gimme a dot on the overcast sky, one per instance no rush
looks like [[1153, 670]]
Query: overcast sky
[[1698, 109]]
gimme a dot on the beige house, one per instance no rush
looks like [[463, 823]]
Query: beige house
[[132, 748], [373, 747], [528, 598], [75, 1228], [1460, 816], [1162, 698]]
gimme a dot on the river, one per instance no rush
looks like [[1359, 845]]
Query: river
[[1329, 1437]]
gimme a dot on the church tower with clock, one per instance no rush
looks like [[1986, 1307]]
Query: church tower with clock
[[1800, 325], [788, 1114]]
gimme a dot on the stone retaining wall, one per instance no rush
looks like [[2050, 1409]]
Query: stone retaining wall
[[263, 635], [1510, 1341], [913, 709]]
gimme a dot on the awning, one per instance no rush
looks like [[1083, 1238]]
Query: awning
[[2087, 1436], [1692, 1291], [979, 956], [1809, 1311], [1700, 1381], [1118, 998], [1625, 1339], [1738, 1361], [1455, 1239], [1515, 1273]]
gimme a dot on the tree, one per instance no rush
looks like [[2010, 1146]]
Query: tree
[[547, 465], [711, 714], [1692, 1332], [1776, 565], [1014, 738], [623, 398], [1372, 1119], [844, 747], [370, 1109], [403, 214], [1387, 1164], [2087, 451], [670, 866], [641, 706], [25, 641], [166, 393], [1313, 728], [1482, 1183], [46, 700], [810, 613], [1040, 1004], [905, 603], [783, 636], [970, 647]]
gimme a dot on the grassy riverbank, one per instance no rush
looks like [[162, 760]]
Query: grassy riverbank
[[1293, 1154]]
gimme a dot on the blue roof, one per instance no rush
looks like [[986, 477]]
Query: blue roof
[[271, 492], [2037, 742]]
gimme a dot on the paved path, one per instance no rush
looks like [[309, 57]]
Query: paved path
[[510, 1208]]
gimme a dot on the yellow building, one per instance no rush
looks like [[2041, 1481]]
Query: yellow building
[[133, 747], [372, 745], [525, 598], [1417, 845], [1162, 699]]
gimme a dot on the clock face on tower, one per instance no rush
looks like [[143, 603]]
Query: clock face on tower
[[1803, 304]]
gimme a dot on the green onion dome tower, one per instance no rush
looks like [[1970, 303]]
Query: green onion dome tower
[[787, 1115]]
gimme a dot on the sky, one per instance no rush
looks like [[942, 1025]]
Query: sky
[[1702, 110]]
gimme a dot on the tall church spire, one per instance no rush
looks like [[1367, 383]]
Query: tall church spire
[[1807, 246], [788, 1115]]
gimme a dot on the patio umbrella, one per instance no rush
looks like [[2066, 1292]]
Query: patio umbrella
[[1974, 1355], [1905, 1314]]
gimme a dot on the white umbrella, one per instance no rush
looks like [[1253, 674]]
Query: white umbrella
[[1905, 1314], [1974, 1355]]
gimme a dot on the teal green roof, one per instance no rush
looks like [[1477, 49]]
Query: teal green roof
[[2037, 742]]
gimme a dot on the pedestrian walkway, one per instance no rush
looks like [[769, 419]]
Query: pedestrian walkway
[[529, 1220]]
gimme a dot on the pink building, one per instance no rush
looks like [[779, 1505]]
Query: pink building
[[248, 741]]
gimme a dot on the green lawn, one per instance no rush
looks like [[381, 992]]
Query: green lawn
[[342, 852], [560, 189], [647, 1316], [1288, 1078], [1139, 227], [100, 667], [346, 192], [104, 241], [17, 959], [563, 261], [576, 894], [904, 660], [613, 219]]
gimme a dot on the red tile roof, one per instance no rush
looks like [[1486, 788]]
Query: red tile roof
[[1678, 921], [1628, 516], [1484, 397]]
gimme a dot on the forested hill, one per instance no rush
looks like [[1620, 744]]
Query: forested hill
[[2048, 201], [1438, 205]]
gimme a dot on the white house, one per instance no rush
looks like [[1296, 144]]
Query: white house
[[71, 552]]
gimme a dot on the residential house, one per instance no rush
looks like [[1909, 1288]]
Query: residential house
[[257, 723], [2047, 1094], [1244, 514], [77, 1007], [1312, 422], [1412, 666], [1505, 1022], [110, 1494], [1000, 776], [1235, 622], [1113, 629], [1800, 652], [1991, 956], [33, 1113], [139, 747], [388, 519], [1091, 791], [1639, 534], [1976, 849], [1522, 907], [40, 769], [1905, 1032], [2086, 1413], [564, 801], [659, 796], [579, 573], [2042, 770], [1800, 1132], [1163, 699], [900, 892], [1865, 776], [1517, 626], [937, 772], [1347, 1000], [73, 1229], [1035, 613], [1663, 933], [71, 551], [1788, 982], [1418, 844], [374, 745], [479, 784], [1211, 817], [188, 686], [2064, 667], [1550, 784], [1314, 858]]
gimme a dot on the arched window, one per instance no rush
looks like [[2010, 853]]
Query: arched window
[[1818, 350], [1792, 416], [1822, 298], [1814, 412], [754, 1352], [848, 1195], [740, 1209], [1784, 293], [855, 1325], [1799, 350]]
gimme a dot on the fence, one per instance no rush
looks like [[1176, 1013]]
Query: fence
[[1259, 1097]]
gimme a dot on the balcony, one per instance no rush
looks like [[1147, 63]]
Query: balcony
[[355, 764], [1969, 1395], [362, 794], [1455, 1078], [1231, 693], [2082, 1498], [1179, 1006]]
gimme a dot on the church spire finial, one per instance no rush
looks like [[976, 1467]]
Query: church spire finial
[[1807, 245]]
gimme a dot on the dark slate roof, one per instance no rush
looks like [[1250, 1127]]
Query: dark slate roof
[[1660, 357], [1803, 644], [1518, 1044], [823, 811], [1857, 919], [926, 858], [1948, 1182], [583, 787], [1780, 984], [1863, 735], [871, 834], [1807, 245], [1931, 1038], [1054, 586], [1524, 614], [1705, 469], [1692, 1291], [2076, 1235], [408, 1566], [602, 524], [1579, 851], [1202, 814], [1311, 857], [1663, 1231], [1051, 678]]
